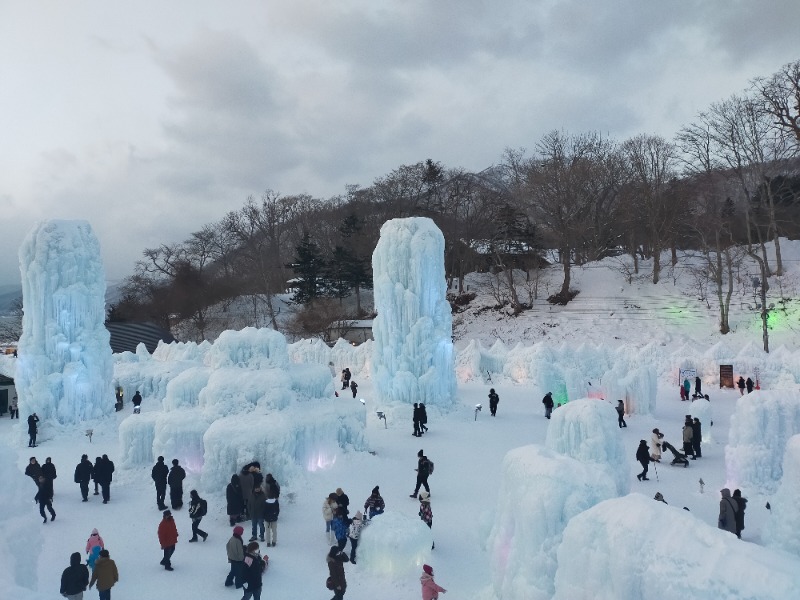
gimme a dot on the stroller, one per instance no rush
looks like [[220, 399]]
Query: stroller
[[680, 458]]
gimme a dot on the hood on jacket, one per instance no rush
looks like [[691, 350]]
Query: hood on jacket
[[726, 493], [74, 559], [95, 532]]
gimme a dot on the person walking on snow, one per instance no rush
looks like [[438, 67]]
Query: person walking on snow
[[728, 512], [235, 550], [254, 567], [698, 386], [423, 418], [33, 429], [83, 475], [374, 504], [137, 403], [655, 440], [749, 384], [104, 475], [354, 533], [425, 511], [159, 474], [494, 400], [338, 583], [197, 510], [93, 541], [168, 538], [621, 414], [45, 498], [742, 505], [105, 575], [175, 481], [75, 578], [548, 404], [34, 470], [430, 589], [423, 471], [416, 417], [92, 557], [740, 384], [354, 388], [643, 456], [49, 469]]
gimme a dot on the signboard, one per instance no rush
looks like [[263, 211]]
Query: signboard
[[689, 374], [726, 376]]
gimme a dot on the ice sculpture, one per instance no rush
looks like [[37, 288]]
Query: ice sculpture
[[413, 350], [780, 531], [64, 371]]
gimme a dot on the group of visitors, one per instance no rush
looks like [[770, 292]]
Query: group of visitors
[[420, 418], [75, 579], [347, 382]]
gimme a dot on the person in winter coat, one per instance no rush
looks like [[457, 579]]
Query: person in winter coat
[[246, 481], [329, 507], [740, 384], [175, 481], [95, 540], [655, 443], [257, 515], [45, 498], [104, 476], [346, 375], [272, 486], [34, 470], [548, 404], [423, 472], [197, 510], [92, 557], [374, 504], [159, 474], [168, 538], [728, 511], [258, 479], [354, 532], [688, 433], [49, 469], [14, 408], [697, 437], [643, 456], [234, 500], [698, 386], [105, 575], [271, 511], [423, 418], [687, 388], [336, 559], [682, 392], [621, 414], [75, 578], [425, 511], [749, 384], [83, 475], [95, 470], [339, 526], [354, 388], [430, 589], [235, 551], [137, 402], [742, 505], [416, 417], [494, 400], [33, 429], [254, 567], [343, 501]]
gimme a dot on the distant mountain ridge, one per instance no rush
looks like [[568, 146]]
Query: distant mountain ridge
[[9, 294]]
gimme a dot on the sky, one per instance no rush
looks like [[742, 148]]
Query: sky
[[152, 119]]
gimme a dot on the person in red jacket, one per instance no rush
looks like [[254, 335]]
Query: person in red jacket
[[168, 538]]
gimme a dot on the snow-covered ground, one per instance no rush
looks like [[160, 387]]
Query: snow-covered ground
[[520, 512]]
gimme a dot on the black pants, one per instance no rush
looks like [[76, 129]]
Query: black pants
[[353, 546], [168, 552], [161, 492], [84, 489], [49, 505], [176, 497], [106, 489], [643, 474], [31, 439], [196, 529], [492, 408], [696, 448], [621, 420], [688, 450], [422, 481], [417, 429]]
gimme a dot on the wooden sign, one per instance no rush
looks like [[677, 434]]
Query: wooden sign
[[726, 376]]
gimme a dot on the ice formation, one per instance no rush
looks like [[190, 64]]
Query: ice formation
[[65, 369], [780, 531], [413, 349], [587, 430], [636, 547], [760, 427], [703, 410], [394, 545], [540, 492]]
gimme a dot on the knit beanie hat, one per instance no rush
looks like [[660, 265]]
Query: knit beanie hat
[[428, 569]]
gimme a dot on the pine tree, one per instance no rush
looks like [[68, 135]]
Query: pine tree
[[309, 268]]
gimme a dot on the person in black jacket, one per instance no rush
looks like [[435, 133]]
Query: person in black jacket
[[103, 474], [34, 470], [423, 418], [643, 456], [354, 388], [83, 474], [739, 515], [621, 414], [75, 577], [159, 475], [343, 500], [423, 471], [234, 500], [697, 437], [254, 567], [271, 511], [137, 402], [749, 384], [45, 498], [272, 486], [416, 417], [49, 469], [197, 510], [95, 471], [548, 404], [494, 400], [175, 481], [33, 429]]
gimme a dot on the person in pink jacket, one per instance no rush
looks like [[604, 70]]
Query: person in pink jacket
[[430, 590], [94, 540]]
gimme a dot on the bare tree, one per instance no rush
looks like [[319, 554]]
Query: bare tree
[[11, 324], [780, 94]]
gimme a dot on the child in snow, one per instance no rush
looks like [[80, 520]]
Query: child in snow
[[430, 589], [329, 505], [353, 533], [94, 540], [374, 504], [425, 512]]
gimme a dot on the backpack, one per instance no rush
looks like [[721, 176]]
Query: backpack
[[430, 467]]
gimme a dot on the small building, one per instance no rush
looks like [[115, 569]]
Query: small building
[[7, 393], [357, 331]]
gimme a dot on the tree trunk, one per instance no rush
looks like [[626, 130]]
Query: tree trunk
[[656, 264], [724, 325], [565, 262]]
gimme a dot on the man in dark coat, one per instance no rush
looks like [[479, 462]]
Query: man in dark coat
[[423, 471], [234, 500], [416, 417], [197, 510], [104, 477], [45, 498], [742, 505], [336, 560], [95, 471], [137, 402], [643, 456], [688, 437], [749, 384], [159, 475], [75, 577], [49, 469], [34, 470], [175, 481], [33, 429], [697, 437], [423, 418], [621, 414], [548, 404], [83, 474], [354, 388], [494, 400], [698, 386], [344, 503], [740, 384]]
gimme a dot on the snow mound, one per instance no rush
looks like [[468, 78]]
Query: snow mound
[[780, 531], [394, 545]]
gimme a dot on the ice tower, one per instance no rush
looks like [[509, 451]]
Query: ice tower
[[413, 350], [64, 370]]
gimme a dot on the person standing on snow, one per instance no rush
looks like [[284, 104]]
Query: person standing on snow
[[698, 386], [45, 498], [272, 509], [374, 504], [49, 469], [83, 475], [728, 512], [246, 481], [105, 575], [354, 388], [34, 470], [95, 471], [137, 403], [643, 456], [697, 437], [339, 526], [168, 538], [33, 429], [234, 500], [346, 378], [104, 476], [159, 474], [197, 510], [416, 417], [336, 559], [273, 487], [354, 532], [75, 578], [687, 388], [235, 550], [688, 434], [742, 505], [423, 418], [254, 567], [749, 384], [621, 414], [425, 511], [343, 500], [175, 481], [656, 438], [548, 404], [494, 400], [257, 515], [329, 507], [430, 589], [423, 471], [740, 384]]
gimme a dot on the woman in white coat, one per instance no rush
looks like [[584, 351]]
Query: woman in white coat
[[655, 444]]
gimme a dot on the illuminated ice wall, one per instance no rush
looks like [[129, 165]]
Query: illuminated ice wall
[[413, 350], [64, 371]]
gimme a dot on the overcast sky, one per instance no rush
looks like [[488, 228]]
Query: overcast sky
[[152, 118]]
